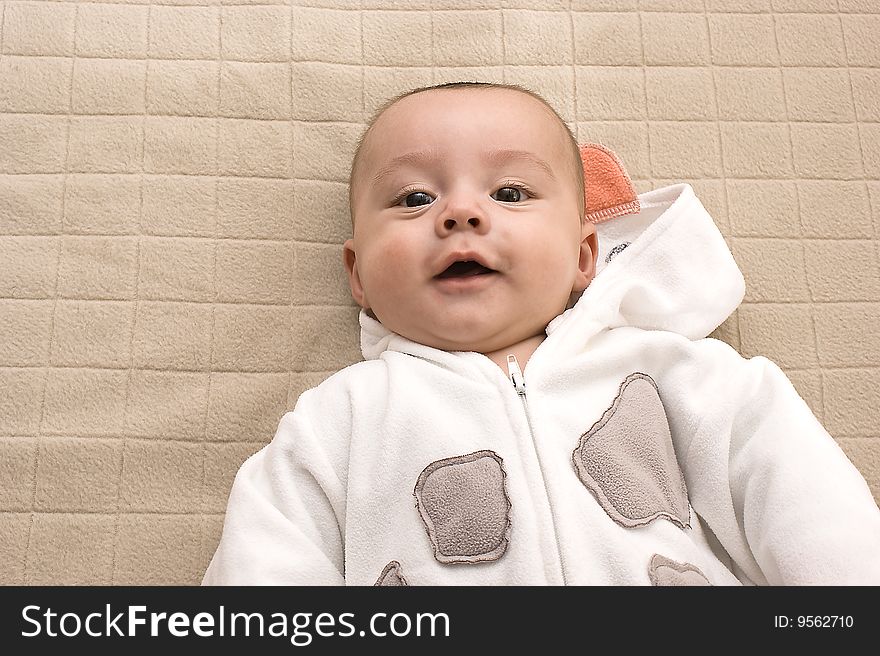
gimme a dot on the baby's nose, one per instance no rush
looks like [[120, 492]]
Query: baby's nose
[[453, 223], [464, 215]]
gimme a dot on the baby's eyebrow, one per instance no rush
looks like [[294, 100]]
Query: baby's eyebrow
[[494, 157], [414, 158], [499, 157]]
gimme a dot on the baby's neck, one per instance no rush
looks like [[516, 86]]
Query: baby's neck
[[522, 350]]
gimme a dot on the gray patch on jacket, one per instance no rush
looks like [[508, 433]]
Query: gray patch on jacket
[[627, 461], [664, 571], [391, 575], [465, 508]]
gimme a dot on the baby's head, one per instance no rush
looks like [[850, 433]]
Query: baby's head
[[467, 205]]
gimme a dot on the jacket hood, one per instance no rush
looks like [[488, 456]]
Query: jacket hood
[[666, 267]]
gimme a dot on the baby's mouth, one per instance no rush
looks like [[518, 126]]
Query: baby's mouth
[[465, 269]]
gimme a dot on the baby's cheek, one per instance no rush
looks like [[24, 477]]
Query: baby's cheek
[[553, 275], [550, 260], [391, 265], [400, 255]]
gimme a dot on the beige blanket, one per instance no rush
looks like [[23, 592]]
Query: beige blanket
[[173, 202]]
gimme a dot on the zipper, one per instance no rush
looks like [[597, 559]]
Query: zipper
[[519, 384], [516, 377]]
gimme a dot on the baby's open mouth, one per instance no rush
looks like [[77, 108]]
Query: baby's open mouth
[[465, 269]]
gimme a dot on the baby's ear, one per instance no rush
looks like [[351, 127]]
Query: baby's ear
[[349, 258], [589, 251]]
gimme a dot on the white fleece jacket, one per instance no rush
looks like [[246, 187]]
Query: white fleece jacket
[[631, 450]]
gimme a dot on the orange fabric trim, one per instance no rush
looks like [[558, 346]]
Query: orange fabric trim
[[608, 190]]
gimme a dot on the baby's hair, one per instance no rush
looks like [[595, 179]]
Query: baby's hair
[[576, 163]]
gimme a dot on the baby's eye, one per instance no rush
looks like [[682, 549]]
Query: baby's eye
[[417, 198], [510, 194]]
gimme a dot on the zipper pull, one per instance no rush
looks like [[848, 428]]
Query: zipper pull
[[516, 376]]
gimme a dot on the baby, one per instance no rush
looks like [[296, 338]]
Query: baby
[[530, 412]]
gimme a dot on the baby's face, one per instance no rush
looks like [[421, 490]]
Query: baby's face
[[467, 234]]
